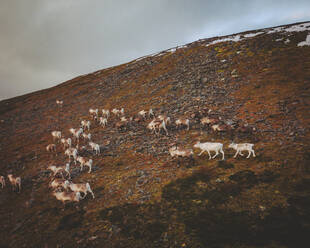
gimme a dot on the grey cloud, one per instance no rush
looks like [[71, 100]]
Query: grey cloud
[[44, 43]]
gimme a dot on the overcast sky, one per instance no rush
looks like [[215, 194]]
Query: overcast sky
[[46, 42]]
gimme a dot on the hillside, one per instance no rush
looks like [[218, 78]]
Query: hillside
[[255, 81]]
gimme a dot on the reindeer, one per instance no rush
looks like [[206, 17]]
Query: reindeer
[[93, 113], [206, 121], [2, 181], [57, 182], [51, 148], [164, 118], [243, 147], [210, 146], [116, 111], [83, 161], [103, 121], [142, 113], [76, 133], [81, 187], [60, 169], [182, 152], [156, 124], [86, 136], [85, 124], [67, 143], [59, 103], [56, 135], [95, 147], [68, 196], [105, 113], [72, 152], [16, 182], [182, 121]]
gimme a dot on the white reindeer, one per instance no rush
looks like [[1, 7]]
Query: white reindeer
[[106, 113], [57, 182], [182, 121], [85, 124], [142, 113], [164, 118], [103, 121], [86, 136], [81, 187], [51, 148], [243, 147], [116, 111], [68, 196], [2, 181], [63, 141], [124, 119], [56, 135], [16, 182], [95, 147], [84, 162], [182, 152], [93, 113], [72, 152], [59, 103], [210, 146], [76, 133], [60, 169], [156, 124], [207, 120]]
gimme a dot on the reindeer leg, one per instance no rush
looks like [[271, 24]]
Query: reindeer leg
[[223, 154], [209, 154], [84, 195], [216, 153], [249, 154], [201, 152], [236, 154]]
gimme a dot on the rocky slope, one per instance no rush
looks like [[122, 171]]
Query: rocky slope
[[257, 79]]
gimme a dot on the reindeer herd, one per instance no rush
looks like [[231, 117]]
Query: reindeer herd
[[65, 190]]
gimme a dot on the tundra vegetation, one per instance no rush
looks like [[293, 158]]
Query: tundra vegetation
[[147, 185]]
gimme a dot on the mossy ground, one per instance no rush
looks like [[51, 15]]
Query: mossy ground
[[256, 202]]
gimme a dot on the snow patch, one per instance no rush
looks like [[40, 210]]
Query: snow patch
[[234, 38], [294, 28], [306, 42], [172, 50], [274, 30], [252, 34]]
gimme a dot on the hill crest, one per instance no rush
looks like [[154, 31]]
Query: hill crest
[[255, 79]]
